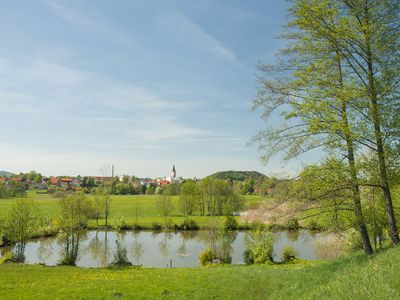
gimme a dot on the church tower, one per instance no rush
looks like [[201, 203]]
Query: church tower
[[173, 173]]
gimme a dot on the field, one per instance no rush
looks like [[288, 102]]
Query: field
[[351, 277], [124, 208]]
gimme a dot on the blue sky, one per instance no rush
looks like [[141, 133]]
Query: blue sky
[[141, 84]]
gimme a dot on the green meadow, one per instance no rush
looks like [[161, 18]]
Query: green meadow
[[133, 210], [352, 277]]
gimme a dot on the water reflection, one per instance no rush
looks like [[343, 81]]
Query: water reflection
[[137, 249], [156, 249]]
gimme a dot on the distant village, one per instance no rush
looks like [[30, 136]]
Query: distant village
[[36, 181]]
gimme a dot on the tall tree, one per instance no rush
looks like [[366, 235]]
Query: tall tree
[[366, 34], [312, 97]]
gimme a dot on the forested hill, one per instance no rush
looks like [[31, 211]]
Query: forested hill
[[238, 175], [6, 174]]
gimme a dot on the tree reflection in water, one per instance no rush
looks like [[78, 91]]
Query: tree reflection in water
[[137, 248], [185, 236], [45, 249], [163, 244], [219, 241]]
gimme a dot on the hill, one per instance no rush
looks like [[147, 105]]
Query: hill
[[238, 175], [6, 174]]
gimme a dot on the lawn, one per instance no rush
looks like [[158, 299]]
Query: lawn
[[124, 208], [351, 277]]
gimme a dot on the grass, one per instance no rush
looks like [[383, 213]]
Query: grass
[[352, 277], [124, 206]]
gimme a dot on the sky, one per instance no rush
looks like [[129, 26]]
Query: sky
[[141, 84]]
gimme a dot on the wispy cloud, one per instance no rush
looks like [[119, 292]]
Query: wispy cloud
[[195, 36], [100, 28]]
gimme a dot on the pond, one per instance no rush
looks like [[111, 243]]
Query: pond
[[158, 249]]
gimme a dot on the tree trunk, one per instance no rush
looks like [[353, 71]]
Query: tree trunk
[[362, 228], [375, 115]]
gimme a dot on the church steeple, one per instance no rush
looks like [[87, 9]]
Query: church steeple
[[173, 173]]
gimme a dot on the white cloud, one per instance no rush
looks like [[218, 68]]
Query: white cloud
[[90, 23], [195, 36]]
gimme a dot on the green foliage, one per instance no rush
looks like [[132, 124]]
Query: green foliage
[[74, 213], [156, 226], [248, 257], [188, 224], [206, 257], [238, 175], [230, 223], [19, 225], [12, 189], [248, 186], [260, 245], [165, 205], [120, 224], [352, 240], [350, 277], [120, 257], [189, 197], [293, 224], [288, 253]]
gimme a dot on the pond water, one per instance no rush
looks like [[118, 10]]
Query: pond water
[[157, 249]]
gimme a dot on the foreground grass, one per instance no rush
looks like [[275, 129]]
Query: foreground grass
[[124, 208], [352, 277]]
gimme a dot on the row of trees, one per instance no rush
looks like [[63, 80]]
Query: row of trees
[[337, 87], [213, 197], [12, 189]]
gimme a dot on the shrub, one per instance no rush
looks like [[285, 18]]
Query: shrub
[[314, 225], [352, 240], [206, 257], [156, 226], [260, 244], [188, 224], [293, 224], [6, 258], [231, 223], [120, 224], [120, 257], [248, 257], [288, 253]]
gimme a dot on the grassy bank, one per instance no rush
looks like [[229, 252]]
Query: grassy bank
[[125, 208], [351, 277]]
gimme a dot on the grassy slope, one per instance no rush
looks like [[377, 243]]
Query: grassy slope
[[352, 277], [122, 206]]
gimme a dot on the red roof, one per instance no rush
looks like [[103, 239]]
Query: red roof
[[16, 179], [66, 179], [3, 179], [54, 180], [163, 182]]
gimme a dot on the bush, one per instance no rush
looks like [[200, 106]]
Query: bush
[[314, 225], [120, 257], [293, 224], [120, 224], [260, 245], [231, 223], [206, 257], [156, 226], [288, 253], [352, 240], [248, 257], [188, 224], [6, 258]]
